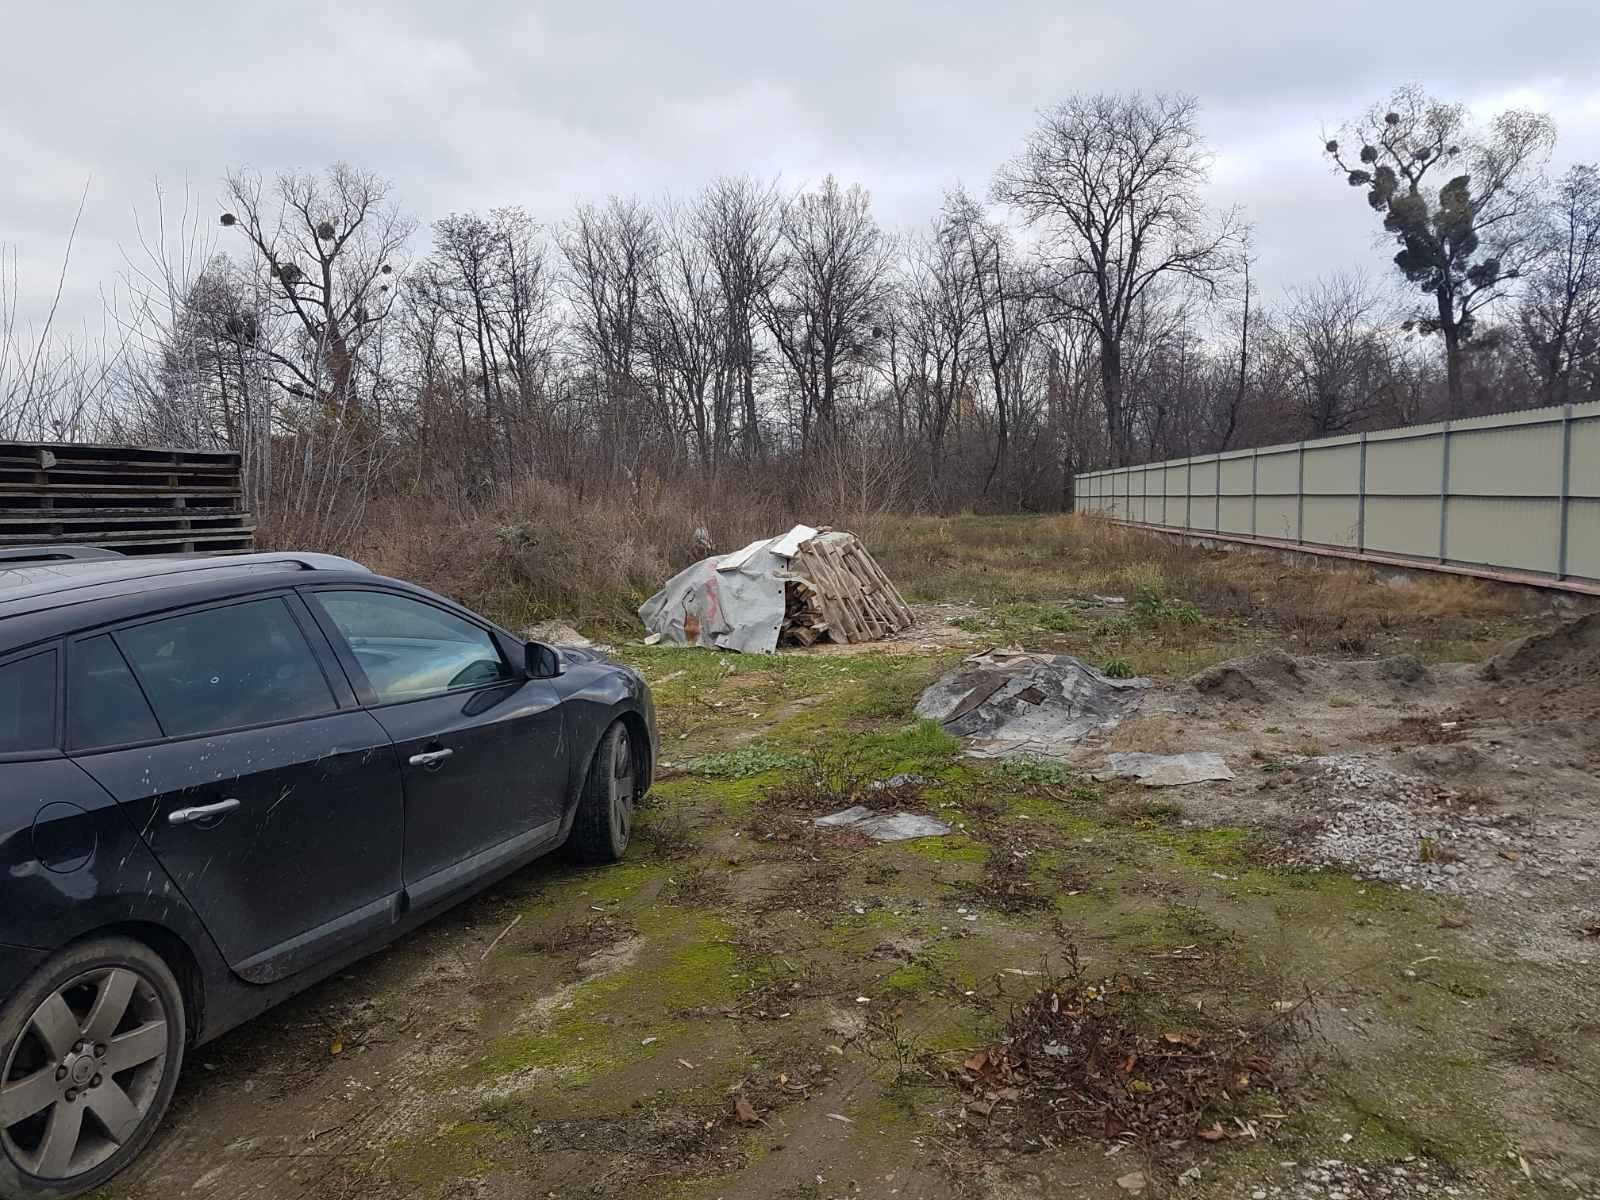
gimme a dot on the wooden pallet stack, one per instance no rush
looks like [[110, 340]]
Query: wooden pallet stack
[[837, 593], [132, 499]]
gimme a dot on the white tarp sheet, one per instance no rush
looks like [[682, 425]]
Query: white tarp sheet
[[732, 602]]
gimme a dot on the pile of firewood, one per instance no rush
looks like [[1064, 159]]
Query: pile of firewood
[[836, 592]]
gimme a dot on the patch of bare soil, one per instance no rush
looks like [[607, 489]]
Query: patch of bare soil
[[1478, 783]]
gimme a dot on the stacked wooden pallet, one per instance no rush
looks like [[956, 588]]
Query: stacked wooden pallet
[[132, 499], [837, 592]]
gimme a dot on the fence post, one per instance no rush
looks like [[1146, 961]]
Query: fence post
[[1444, 490], [1300, 499], [1216, 511], [1566, 488], [1165, 520], [1254, 463], [1361, 500], [1188, 492]]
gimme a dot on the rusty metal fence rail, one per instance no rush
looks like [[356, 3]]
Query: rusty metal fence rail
[[1510, 496]]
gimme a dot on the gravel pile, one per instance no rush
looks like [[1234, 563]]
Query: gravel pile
[[1400, 829], [1335, 1179]]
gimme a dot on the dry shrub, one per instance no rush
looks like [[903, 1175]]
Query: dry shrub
[[1077, 1063], [545, 549]]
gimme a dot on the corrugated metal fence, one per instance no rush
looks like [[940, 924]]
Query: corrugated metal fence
[[1515, 494]]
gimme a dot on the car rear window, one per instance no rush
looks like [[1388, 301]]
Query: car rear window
[[104, 704], [28, 704], [227, 668]]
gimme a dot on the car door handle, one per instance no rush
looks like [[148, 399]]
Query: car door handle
[[430, 758], [188, 816]]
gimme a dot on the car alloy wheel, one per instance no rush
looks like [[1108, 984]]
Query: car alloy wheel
[[82, 1077], [623, 771]]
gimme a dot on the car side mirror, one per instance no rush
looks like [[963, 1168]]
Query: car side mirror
[[543, 662]]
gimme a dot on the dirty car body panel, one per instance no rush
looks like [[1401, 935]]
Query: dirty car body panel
[[264, 825]]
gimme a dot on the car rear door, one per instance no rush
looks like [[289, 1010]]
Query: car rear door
[[272, 801], [482, 747]]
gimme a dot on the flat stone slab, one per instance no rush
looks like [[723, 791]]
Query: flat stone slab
[[1165, 770], [885, 827]]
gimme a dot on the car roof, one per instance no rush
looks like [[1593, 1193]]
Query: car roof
[[33, 588]]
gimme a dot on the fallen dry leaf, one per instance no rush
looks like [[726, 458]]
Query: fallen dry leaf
[[977, 1062], [1133, 1181], [1453, 921], [746, 1112]]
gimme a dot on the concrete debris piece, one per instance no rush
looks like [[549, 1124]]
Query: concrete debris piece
[[1010, 701], [556, 633], [806, 586], [900, 781], [884, 827], [1165, 770]]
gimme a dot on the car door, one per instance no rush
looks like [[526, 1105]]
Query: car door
[[482, 746], [271, 800]]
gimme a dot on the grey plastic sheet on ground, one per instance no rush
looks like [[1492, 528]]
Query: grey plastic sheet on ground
[[885, 827], [1166, 770], [1011, 701]]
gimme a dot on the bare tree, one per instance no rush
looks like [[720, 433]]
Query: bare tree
[[329, 244], [827, 298], [934, 339], [1561, 314], [1329, 340], [1008, 305], [738, 222], [685, 338], [1114, 181], [611, 257], [1462, 245]]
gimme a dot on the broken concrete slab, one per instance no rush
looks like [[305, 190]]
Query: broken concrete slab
[[1011, 701], [1165, 770], [884, 827]]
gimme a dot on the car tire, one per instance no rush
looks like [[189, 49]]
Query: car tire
[[96, 1037], [604, 820]]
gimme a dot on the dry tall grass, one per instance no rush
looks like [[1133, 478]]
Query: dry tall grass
[[544, 550]]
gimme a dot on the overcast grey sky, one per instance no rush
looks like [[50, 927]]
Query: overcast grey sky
[[487, 102]]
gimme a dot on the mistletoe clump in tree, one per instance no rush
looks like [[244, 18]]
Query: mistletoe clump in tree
[[1460, 202]]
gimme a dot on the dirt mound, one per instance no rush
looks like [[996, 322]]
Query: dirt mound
[[1256, 678], [1567, 655], [1402, 668]]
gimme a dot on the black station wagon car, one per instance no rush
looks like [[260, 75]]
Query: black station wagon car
[[223, 779]]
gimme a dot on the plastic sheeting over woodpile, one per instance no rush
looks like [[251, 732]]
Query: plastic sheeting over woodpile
[[1016, 702], [807, 586]]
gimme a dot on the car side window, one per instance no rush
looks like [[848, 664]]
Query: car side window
[[227, 668], [28, 704], [409, 649], [104, 704]]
